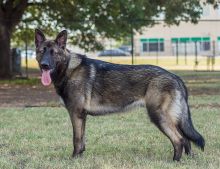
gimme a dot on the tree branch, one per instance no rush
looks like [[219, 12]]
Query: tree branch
[[18, 11], [20, 6], [1, 12], [36, 3], [9, 5], [6, 7], [1, 8]]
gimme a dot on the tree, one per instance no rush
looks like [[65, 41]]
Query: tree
[[87, 19], [10, 16]]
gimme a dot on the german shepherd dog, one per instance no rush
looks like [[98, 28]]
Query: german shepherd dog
[[92, 87]]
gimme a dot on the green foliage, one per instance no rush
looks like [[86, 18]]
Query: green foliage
[[90, 21]]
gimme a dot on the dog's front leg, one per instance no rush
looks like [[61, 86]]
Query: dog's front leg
[[78, 119]]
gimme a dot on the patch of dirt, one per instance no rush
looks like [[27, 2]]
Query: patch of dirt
[[27, 96], [37, 95], [203, 91], [213, 105]]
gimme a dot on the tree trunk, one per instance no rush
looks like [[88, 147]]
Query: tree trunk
[[5, 56]]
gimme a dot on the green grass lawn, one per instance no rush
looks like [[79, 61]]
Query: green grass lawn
[[42, 138]]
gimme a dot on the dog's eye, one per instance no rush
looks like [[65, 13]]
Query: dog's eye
[[43, 50]]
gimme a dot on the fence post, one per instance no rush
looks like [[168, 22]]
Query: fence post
[[132, 44], [208, 62], [158, 49], [213, 57], [177, 53], [185, 53], [26, 54], [196, 56]]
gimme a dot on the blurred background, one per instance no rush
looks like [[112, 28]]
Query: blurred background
[[177, 35]]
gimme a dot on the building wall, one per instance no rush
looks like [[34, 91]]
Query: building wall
[[186, 35]]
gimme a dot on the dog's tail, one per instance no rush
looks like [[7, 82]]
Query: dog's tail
[[189, 131]]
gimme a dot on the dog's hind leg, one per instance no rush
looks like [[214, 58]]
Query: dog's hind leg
[[158, 106], [187, 146], [169, 129], [180, 114], [176, 139], [187, 143]]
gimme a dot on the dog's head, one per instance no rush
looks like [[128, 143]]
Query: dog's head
[[50, 54]]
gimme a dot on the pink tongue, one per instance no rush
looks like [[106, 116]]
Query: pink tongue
[[45, 78]]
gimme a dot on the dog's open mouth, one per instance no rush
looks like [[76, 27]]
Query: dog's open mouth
[[45, 77]]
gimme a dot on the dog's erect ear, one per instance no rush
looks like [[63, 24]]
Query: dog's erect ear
[[61, 39], [39, 37]]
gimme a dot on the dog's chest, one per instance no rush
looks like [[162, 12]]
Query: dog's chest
[[61, 101]]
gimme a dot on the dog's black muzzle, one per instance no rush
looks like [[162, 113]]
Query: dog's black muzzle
[[47, 62], [44, 65]]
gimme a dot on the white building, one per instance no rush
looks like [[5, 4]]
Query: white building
[[187, 38]]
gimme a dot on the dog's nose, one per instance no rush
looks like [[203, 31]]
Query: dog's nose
[[44, 65]]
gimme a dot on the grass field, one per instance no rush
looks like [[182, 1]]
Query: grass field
[[42, 137]]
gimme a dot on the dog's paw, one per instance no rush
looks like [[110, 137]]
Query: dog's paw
[[77, 154]]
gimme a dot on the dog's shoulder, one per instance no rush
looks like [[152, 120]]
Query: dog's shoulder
[[75, 60]]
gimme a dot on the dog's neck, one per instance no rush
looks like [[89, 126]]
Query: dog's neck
[[64, 71]]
